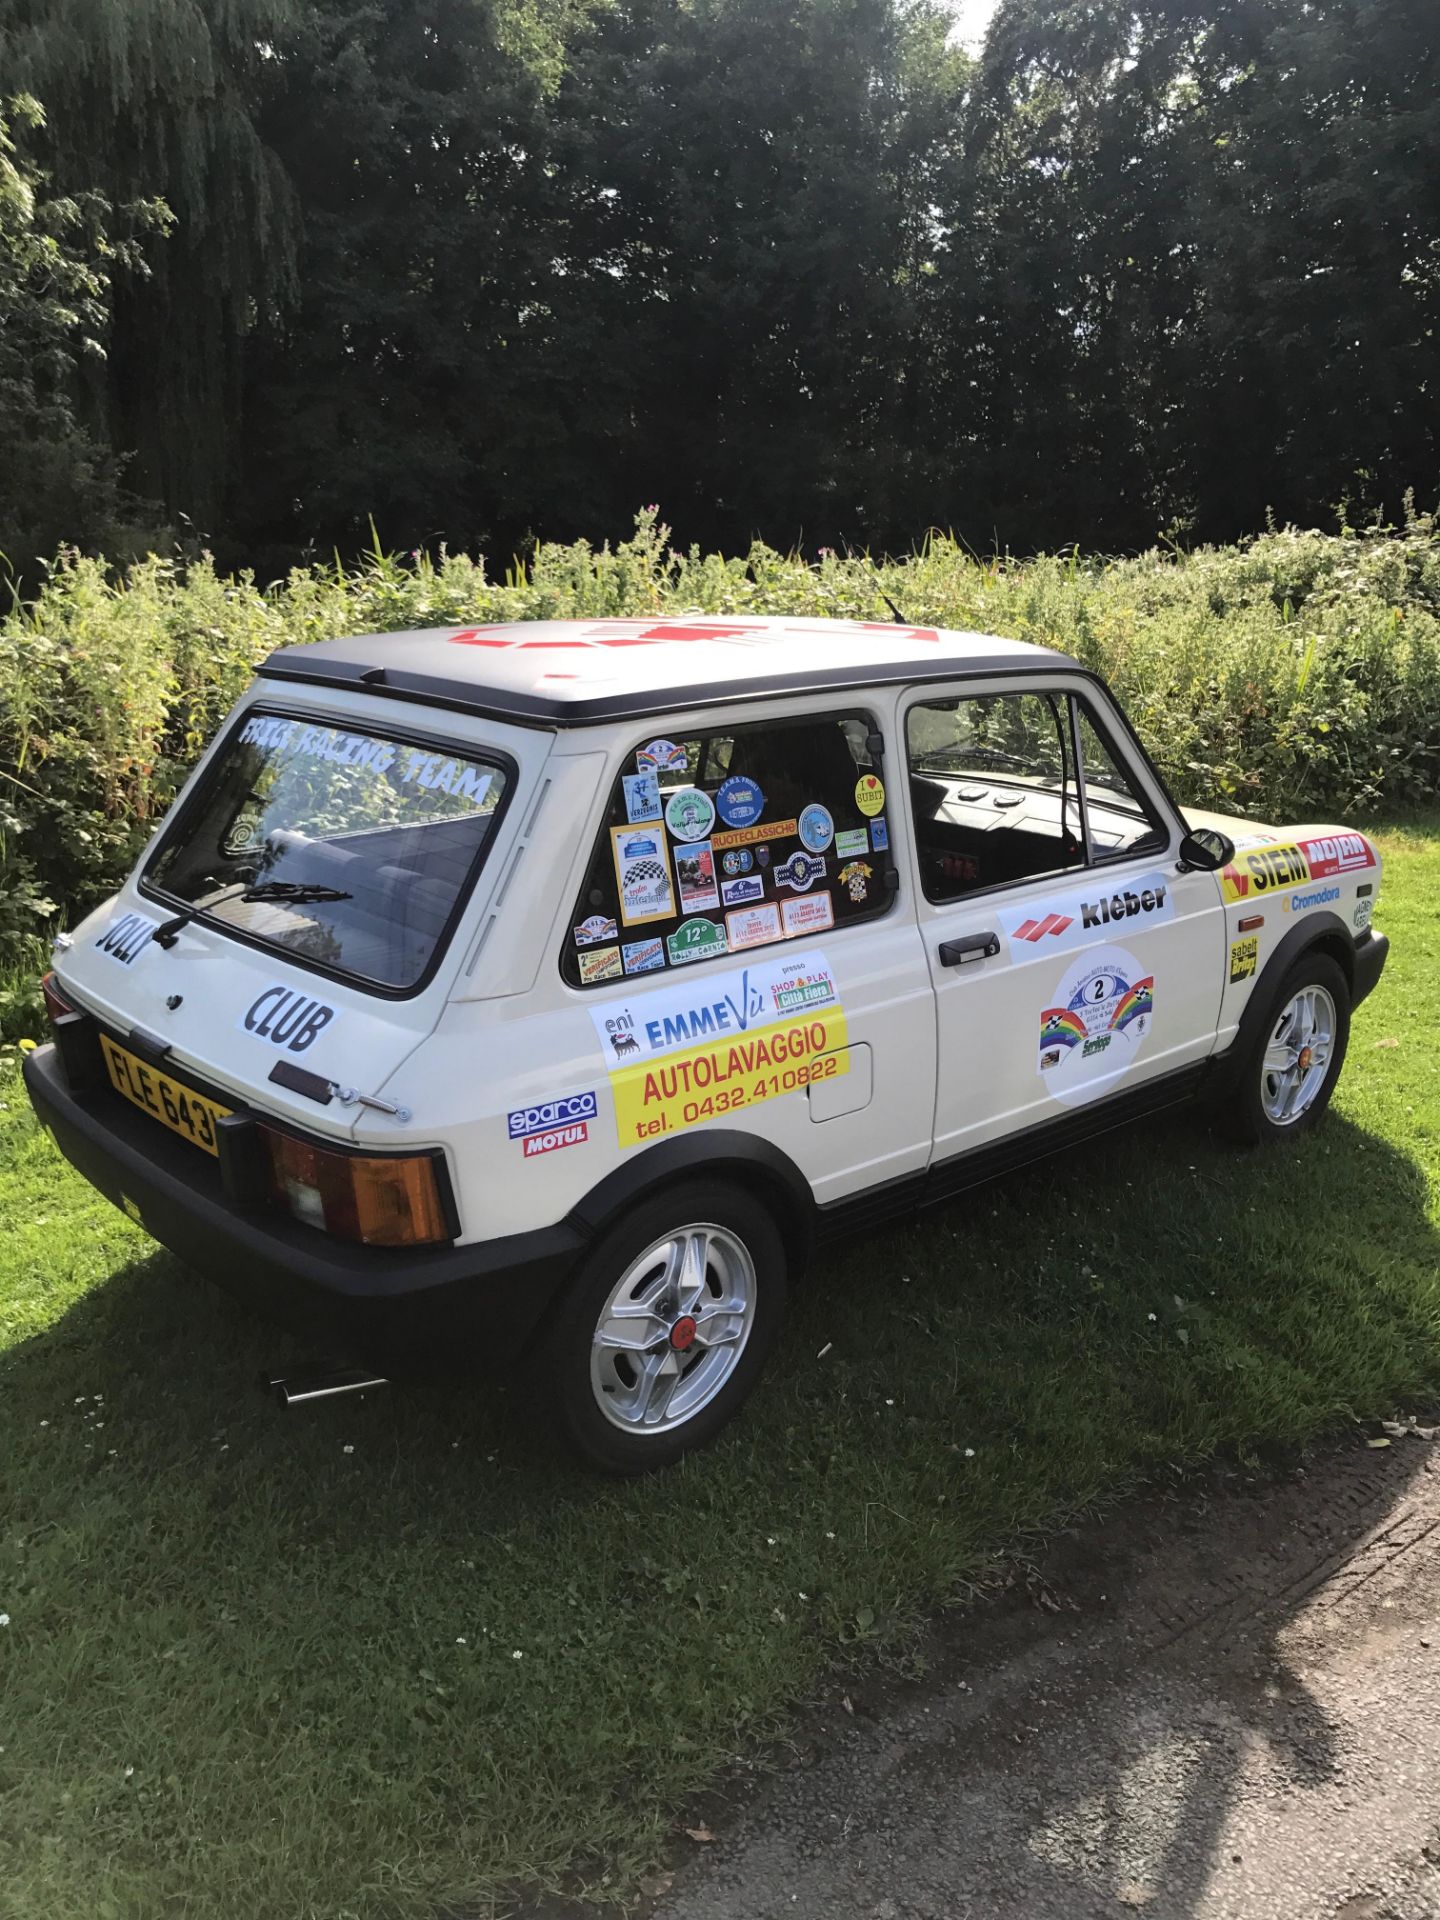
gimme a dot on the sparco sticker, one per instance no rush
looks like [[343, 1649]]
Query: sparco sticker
[[1095, 1023], [1078, 919], [571, 1109], [720, 1042]]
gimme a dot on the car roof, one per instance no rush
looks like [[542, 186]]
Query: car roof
[[575, 673]]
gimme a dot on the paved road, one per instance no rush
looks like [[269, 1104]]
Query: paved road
[[1216, 1709]]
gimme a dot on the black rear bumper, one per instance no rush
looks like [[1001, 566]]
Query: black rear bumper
[[469, 1303], [1370, 955]]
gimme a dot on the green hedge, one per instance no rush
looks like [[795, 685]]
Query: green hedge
[[1297, 675]]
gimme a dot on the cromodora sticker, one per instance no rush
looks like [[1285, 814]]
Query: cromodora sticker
[[1096, 1022]]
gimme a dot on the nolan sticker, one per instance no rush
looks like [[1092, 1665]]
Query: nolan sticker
[[599, 963], [1337, 853], [1095, 1023], [752, 836], [800, 871], [591, 932], [1244, 958], [661, 756], [1075, 921], [1316, 897], [1262, 870], [690, 814], [287, 1018], [126, 939], [812, 914], [817, 828], [695, 940], [643, 956], [851, 842], [869, 794], [753, 927], [736, 893], [738, 860], [571, 1110], [739, 801], [642, 796]]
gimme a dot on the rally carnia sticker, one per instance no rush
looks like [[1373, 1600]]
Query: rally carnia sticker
[[1095, 1023], [720, 1043]]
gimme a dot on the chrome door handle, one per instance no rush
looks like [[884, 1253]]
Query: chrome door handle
[[973, 946]]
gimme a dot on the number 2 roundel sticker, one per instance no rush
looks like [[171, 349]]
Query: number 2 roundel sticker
[[1094, 1023], [869, 794]]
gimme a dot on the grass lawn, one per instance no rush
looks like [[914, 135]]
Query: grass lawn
[[374, 1658]]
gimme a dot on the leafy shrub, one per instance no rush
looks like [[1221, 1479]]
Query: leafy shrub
[[1296, 676]]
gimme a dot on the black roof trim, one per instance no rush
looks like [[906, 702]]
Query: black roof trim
[[534, 710]]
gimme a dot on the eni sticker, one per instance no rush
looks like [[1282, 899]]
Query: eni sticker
[[869, 794], [1244, 958], [1096, 1023], [718, 1044]]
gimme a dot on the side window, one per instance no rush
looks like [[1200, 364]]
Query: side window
[[726, 841], [998, 795]]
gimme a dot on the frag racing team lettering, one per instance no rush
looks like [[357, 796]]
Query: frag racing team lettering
[[687, 1055]]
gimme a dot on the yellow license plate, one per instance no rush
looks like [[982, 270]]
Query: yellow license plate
[[180, 1108]]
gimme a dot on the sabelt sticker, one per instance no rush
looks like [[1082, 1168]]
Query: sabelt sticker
[[695, 875], [127, 938], [753, 927], [642, 796], [1078, 919], [642, 873], [1244, 958], [1095, 1024], [643, 956], [570, 1109], [1337, 853], [811, 913], [851, 842], [1262, 870], [817, 828], [695, 940], [600, 963], [879, 836], [689, 1051], [869, 794], [739, 801], [736, 893], [591, 932], [286, 1018], [661, 756], [690, 813], [800, 871], [751, 836]]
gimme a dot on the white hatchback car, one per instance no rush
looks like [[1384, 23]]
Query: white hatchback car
[[560, 986]]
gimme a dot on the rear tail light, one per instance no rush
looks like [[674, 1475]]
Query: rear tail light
[[381, 1202], [55, 1002]]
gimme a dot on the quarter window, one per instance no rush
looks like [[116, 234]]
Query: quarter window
[[721, 842]]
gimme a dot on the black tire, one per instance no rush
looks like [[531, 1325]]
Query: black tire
[[1241, 1111], [572, 1398]]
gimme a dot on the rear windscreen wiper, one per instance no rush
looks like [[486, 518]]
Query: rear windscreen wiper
[[294, 891]]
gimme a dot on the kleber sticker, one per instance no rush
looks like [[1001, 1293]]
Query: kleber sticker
[[286, 1018], [817, 828], [869, 794], [695, 940], [642, 796], [879, 836], [1244, 958], [800, 871], [592, 931], [661, 756], [690, 814], [812, 913], [1077, 919], [1314, 897], [751, 836], [1262, 870], [569, 1110], [127, 938], [735, 893], [642, 873], [739, 801], [738, 860], [643, 956], [1095, 1024], [753, 927], [600, 963], [850, 842], [1337, 853], [689, 1051], [855, 876], [695, 875]]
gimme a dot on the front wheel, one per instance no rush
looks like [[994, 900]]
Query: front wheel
[[1284, 1083], [665, 1329]]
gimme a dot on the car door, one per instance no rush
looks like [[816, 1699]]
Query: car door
[[1073, 960]]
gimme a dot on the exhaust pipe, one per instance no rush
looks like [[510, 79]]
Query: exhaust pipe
[[322, 1383]]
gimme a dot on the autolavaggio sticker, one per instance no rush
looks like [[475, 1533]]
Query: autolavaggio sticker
[[1095, 1024], [718, 1044]]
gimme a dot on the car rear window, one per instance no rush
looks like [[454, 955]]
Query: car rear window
[[346, 848], [724, 841]]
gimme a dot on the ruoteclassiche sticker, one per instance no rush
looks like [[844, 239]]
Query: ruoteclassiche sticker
[[642, 796], [739, 801], [687, 1051], [1058, 924], [750, 836], [126, 939], [736, 893], [286, 1018], [809, 913], [593, 930], [1244, 956], [1311, 897], [850, 842], [817, 827], [642, 873], [695, 874], [753, 926], [643, 956], [690, 813], [800, 871], [599, 963], [1095, 1023], [869, 794]]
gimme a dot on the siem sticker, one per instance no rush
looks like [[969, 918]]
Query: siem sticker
[[287, 1018]]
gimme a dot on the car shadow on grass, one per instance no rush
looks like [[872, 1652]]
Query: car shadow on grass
[[481, 1645]]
